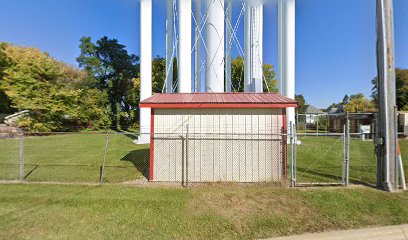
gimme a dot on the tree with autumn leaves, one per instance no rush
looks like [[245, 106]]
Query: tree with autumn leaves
[[103, 92], [59, 97]]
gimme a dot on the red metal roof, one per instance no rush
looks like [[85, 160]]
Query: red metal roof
[[218, 100]]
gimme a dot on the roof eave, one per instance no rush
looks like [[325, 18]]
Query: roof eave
[[215, 105]]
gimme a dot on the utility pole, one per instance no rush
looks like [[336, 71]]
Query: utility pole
[[387, 175]]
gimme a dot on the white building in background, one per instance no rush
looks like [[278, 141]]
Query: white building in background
[[214, 36], [312, 114]]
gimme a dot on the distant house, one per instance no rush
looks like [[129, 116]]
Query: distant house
[[312, 114], [335, 110]]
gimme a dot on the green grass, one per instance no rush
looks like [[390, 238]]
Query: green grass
[[319, 160], [78, 157], [217, 212], [75, 158], [35, 211]]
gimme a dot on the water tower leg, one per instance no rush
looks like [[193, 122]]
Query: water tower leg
[[257, 47], [197, 60], [214, 39], [145, 67], [248, 87], [286, 37], [169, 46], [184, 46]]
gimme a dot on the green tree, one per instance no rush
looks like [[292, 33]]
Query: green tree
[[346, 99], [401, 78], [270, 84], [237, 76], [302, 105], [159, 73], [5, 103], [57, 95], [114, 70]]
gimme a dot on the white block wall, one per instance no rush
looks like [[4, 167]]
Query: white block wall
[[233, 145]]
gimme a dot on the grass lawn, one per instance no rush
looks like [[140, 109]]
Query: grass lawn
[[75, 158], [78, 157], [319, 160], [36, 211]]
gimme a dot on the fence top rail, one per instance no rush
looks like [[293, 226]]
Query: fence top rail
[[320, 134], [61, 133], [332, 114], [219, 134]]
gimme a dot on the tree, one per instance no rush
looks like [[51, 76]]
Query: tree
[[57, 95], [5, 103], [302, 105], [401, 77], [346, 99], [356, 96], [269, 82], [237, 76], [114, 70], [359, 104]]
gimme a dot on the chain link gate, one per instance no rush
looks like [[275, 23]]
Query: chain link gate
[[333, 157], [319, 158]]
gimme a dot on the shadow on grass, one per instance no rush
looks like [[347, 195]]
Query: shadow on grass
[[315, 174], [318, 174], [124, 132], [140, 159], [31, 171]]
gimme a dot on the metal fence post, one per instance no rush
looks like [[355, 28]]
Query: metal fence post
[[102, 175], [347, 175], [21, 141], [292, 156], [297, 118], [187, 157], [396, 167], [343, 158]]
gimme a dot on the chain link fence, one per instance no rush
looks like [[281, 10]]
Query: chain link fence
[[89, 157], [334, 123], [114, 157], [337, 149], [218, 157], [307, 157]]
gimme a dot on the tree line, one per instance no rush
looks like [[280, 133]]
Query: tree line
[[358, 103], [104, 92]]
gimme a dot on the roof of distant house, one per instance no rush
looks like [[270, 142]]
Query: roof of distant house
[[313, 110], [335, 110]]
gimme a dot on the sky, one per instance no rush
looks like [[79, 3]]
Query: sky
[[335, 39]]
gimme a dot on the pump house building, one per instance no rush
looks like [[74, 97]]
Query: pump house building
[[218, 137]]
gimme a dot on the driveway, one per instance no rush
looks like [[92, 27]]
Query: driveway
[[397, 232]]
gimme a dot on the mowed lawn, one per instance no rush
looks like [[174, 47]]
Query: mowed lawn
[[78, 157], [319, 160], [43, 211], [75, 158]]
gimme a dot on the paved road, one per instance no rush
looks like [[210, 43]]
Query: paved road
[[398, 232]]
